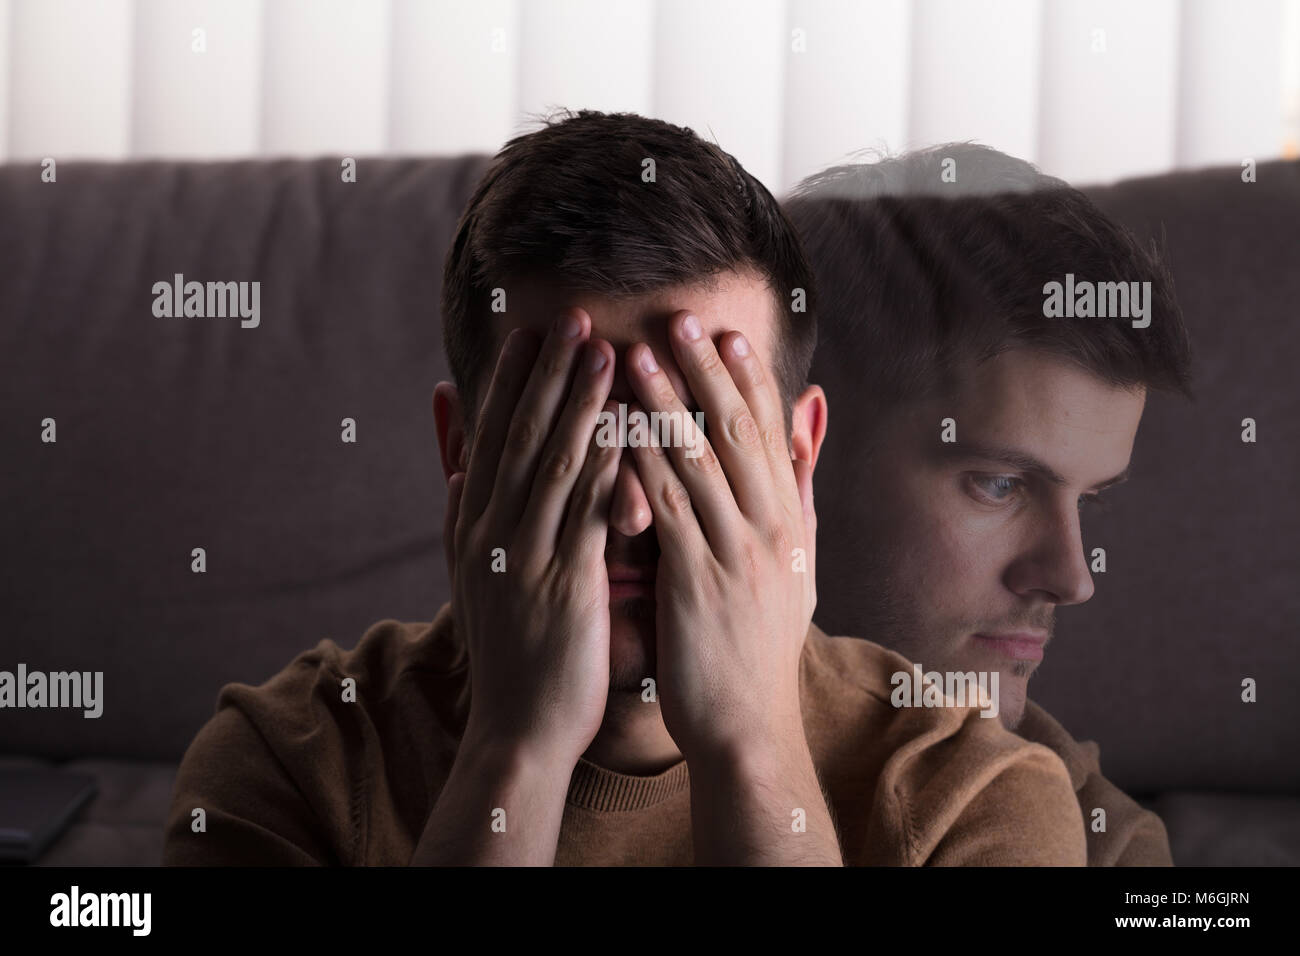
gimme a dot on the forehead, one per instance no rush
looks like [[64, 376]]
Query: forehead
[[739, 301], [1043, 406]]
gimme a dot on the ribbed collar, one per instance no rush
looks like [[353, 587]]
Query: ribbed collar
[[595, 788]]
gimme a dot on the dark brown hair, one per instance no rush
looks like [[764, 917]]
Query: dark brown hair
[[567, 203], [919, 276]]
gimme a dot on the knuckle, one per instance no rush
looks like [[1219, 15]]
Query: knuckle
[[776, 540], [588, 400], [558, 464], [554, 363], [774, 437], [741, 429], [676, 499], [523, 435], [587, 498], [709, 361], [706, 462], [665, 394]]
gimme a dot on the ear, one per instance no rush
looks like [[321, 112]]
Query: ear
[[449, 419], [809, 417]]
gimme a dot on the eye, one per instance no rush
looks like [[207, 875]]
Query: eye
[[996, 488], [1092, 502]]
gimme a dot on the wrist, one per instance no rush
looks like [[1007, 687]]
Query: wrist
[[763, 752], [513, 757]]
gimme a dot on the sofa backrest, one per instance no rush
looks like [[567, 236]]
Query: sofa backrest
[[185, 432], [182, 433], [1202, 588]]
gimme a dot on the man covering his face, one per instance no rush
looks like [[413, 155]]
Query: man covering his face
[[627, 671]]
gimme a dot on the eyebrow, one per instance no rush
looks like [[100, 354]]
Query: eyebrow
[[1023, 462]]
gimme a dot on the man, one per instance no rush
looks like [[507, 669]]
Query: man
[[627, 671], [984, 419]]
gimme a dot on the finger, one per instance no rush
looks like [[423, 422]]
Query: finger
[[759, 390], [455, 487], [518, 354], [586, 522], [675, 523], [535, 417], [566, 451], [697, 469], [735, 430]]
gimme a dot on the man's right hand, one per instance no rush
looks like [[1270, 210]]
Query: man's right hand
[[526, 530], [525, 544]]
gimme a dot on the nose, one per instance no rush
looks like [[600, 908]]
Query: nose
[[1053, 565], [629, 512]]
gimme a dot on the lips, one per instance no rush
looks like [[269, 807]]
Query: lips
[[630, 581], [628, 572], [1017, 645]]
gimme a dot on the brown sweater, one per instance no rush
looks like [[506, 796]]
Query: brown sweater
[[289, 773], [1133, 836]]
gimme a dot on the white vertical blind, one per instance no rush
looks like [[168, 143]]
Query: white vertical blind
[[589, 54], [1091, 90], [1229, 79], [326, 74], [70, 78], [4, 78], [975, 73], [197, 94], [454, 80], [849, 89], [1109, 88], [720, 70]]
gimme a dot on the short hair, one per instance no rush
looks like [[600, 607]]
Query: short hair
[[921, 276], [567, 203]]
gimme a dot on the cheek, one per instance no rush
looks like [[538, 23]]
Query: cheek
[[951, 552]]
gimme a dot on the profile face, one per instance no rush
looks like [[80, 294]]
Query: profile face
[[969, 546], [737, 301]]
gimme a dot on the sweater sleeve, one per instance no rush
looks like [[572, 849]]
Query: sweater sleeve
[[255, 814], [1025, 815], [1133, 836]]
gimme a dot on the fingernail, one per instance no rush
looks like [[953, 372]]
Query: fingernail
[[691, 327], [596, 361], [740, 346], [569, 326], [648, 363]]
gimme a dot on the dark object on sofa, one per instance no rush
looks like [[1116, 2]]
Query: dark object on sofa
[[181, 433], [36, 806]]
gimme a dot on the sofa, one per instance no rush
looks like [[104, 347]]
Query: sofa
[[177, 433]]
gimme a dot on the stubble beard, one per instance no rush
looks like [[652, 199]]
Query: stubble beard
[[633, 667], [891, 616]]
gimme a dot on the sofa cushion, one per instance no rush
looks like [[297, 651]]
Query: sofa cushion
[[1229, 829], [123, 823], [182, 433]]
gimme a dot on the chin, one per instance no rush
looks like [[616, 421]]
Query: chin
[[632, 643], [1011, 707]]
